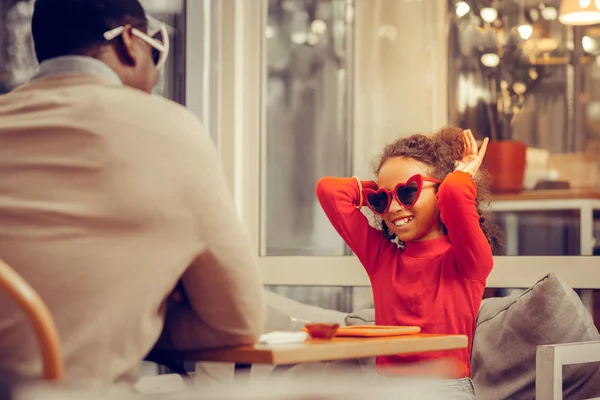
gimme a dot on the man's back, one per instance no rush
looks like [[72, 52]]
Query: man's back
[[106, 199]]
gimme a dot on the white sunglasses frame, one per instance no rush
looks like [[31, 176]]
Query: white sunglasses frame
[[163, 48]]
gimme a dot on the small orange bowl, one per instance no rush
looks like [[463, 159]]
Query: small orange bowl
[[321, 330]]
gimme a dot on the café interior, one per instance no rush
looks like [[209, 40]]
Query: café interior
[[294, 90]]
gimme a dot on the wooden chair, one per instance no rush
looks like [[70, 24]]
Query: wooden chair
[[39, 316]]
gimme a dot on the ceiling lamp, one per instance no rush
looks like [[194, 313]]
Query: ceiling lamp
[[579, 12], [490, 60], [488, 14], [462, 9], [549, 13], [525, 31]]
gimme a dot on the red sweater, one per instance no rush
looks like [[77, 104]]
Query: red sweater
[[435, 284]]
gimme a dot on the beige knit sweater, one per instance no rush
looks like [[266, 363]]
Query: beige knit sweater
[[108, 196]]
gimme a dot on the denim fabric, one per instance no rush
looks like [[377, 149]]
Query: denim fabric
[[459, 389]]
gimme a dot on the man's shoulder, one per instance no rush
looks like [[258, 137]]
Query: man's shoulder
[[127, 107], [105, 97], [145, 103], [112, 112]]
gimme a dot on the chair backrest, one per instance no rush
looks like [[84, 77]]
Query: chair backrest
[[39, 316]]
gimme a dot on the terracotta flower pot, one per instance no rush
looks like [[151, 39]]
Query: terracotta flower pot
[[505, 161]]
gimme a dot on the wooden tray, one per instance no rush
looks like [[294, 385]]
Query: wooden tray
[[376, 331]]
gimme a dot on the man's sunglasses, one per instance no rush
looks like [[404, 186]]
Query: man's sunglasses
[[159, 41], [407, 194]]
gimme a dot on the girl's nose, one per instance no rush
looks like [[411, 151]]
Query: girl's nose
[[395, 206]]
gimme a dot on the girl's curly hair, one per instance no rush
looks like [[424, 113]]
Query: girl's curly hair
[[441, 151]]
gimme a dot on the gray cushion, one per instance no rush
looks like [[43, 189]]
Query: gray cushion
[[362, 317], [290, 315], [510, 328]]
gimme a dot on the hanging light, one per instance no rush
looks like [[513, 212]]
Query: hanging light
[[588, 44], [548, 13], [490, 60], [462, 9], [488, 14], [525, 31], [579, 12]]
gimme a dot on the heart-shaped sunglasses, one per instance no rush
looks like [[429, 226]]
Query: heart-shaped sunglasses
[[406, 194]]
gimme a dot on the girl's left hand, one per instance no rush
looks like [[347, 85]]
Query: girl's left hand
[[472, 157]]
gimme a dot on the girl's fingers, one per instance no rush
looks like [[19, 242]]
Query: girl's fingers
[[466, 144], [469, 143], [483, 148], [473, 142]]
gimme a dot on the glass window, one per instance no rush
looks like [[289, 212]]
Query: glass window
[[519, 76], [343, 78], [171, 83], [17, 58], [508, 70], [540, 233], [308, 121], [337, 77]]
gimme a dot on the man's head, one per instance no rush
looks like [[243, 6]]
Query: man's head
[[78, 27]]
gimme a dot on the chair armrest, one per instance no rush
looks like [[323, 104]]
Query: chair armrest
[[550, 360]]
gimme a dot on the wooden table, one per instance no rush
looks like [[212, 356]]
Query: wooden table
[[341, 348]]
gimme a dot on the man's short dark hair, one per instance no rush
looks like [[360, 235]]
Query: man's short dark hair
[[76, 27]]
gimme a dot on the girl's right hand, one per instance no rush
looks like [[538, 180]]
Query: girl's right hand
[[363, 185], [472, 157]]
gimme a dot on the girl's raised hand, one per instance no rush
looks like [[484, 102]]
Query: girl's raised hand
[[472, 157]]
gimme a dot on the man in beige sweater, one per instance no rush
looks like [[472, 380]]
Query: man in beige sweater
[[109, 197]]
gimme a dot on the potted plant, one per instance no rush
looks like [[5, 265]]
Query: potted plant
[[505, 60], [506, 158]]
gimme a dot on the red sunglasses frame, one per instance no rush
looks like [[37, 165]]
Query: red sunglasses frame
[[418, 179]]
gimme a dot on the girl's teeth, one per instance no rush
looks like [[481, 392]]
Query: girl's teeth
[[404, 221]]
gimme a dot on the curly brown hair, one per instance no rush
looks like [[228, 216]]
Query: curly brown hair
[[441, 151]]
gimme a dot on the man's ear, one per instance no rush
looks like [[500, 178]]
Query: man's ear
[[127, 48]]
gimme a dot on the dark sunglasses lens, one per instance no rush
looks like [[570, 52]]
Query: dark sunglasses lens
[[378, 202], [408, 194], [159, 36], [155, 53]]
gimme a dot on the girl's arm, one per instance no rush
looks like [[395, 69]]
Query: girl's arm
[[339, 198], [471, 249]]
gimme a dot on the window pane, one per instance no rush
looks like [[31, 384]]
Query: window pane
[[172, 14], [540, 233], [527, 77], [543, 89], [308, 123], [17, 59]]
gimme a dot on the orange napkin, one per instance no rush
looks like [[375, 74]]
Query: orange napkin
[[376, 330]]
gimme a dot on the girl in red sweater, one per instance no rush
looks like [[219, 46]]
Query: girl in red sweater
[[429, 263]]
